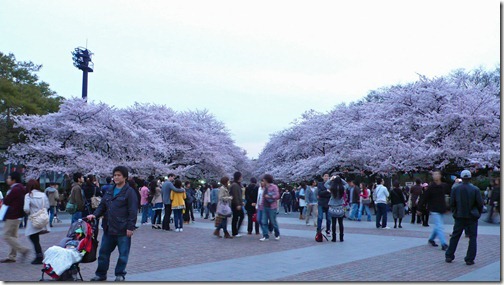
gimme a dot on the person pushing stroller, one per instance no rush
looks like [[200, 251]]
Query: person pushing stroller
[[119, 208]]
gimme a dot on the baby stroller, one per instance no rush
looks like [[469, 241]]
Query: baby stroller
[[79, 246]]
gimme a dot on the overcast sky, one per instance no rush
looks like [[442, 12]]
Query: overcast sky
[[257, 65]]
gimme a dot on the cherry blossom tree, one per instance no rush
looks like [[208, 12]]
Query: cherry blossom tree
[[147, 138], [450, 121]]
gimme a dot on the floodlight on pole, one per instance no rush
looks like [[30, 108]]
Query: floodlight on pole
[[82, 60]]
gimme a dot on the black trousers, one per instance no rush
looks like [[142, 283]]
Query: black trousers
[[414, 215], [471, 228], [250, 225], [237, 220], [156, 219], [211, 210], [166, 218], [340, 223], [35, 239], [287, 207], [425, 218], [189, 214]]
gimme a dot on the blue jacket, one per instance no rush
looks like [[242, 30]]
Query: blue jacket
[[214, 196], [166, 191], [119, 212], [311, 197]]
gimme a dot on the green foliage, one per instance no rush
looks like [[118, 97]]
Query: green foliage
[[21, 93]]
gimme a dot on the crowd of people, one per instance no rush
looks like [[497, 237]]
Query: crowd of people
[[169, 200]]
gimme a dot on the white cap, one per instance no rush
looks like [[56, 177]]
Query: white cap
[[465, 174]]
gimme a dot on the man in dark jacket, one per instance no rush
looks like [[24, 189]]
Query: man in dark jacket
[[77, 196], [189, 212], [415, 192], [15, 200], [466, 205], [435, 200], [119, 208], [236, 204], [323, 196], [353, 194], [251, 197]]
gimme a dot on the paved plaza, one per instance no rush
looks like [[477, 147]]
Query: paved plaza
[[367, 254]]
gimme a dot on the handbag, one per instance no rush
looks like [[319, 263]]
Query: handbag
[[254, 218], [336, 211], [71, 208], [3, 212], [224, 209], [95, 201], [40, 218]]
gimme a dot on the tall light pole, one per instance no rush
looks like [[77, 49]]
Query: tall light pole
[[82, 60]]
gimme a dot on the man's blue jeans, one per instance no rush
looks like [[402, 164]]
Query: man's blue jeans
[[145, 212], [109, 243], [368, 212], [438, 227], [76, 216], [259, 219], [321, 211], [269, 215], [353, 211], [51, 210], [381, 214]]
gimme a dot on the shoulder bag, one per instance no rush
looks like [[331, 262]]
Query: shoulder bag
[[223, 209], [95, 201], [40, 218]]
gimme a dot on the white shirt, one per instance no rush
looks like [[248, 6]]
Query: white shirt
[[259, 196], [381, 194]]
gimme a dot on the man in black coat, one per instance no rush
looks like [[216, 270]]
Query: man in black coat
[[251, 196], [119, 208], [323, 196], [466, 205]]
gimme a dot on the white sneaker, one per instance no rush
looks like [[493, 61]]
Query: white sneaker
[[307, 224], [277, 238], [263, 239], [386, 228], [181, 230], [177, 230], [237, 236]]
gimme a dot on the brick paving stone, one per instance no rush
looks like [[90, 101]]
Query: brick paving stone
[[162, 250], [427, 263]]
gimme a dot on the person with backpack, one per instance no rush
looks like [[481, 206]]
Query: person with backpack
[[336, 204], [364, 202], [381, 196]]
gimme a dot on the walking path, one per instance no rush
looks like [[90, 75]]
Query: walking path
[[367, 254]]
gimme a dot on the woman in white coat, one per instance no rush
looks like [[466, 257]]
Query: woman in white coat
[[34, 201]]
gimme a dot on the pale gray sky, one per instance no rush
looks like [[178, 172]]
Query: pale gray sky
[[257, 65]]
